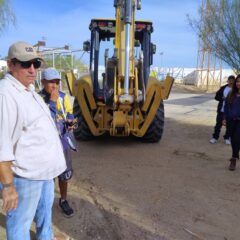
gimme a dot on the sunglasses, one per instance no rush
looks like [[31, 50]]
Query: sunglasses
[[36, 63]]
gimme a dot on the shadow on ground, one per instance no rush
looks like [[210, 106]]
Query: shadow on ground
[[95, 223], [191, 101]]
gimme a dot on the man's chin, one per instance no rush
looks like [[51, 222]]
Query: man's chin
[[31, 82], [32, 79]]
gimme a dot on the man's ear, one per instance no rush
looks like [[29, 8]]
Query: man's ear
[[10, 64]]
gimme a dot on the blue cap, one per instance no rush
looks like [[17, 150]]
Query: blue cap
[[50, 74]]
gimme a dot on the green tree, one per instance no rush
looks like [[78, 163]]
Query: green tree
[[7, 15], [219, 29], [64, 62]]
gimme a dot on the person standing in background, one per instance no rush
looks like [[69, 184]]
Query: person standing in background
[[62, 113], [221, 95], [232, 118]]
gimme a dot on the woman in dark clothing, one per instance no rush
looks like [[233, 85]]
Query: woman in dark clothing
[[232, 116]]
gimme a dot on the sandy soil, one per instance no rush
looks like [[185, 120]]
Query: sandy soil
[[178, 189]]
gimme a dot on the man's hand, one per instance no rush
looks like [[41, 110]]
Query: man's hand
[[10, 198], [71, 124], [9, 193], [54, 95]]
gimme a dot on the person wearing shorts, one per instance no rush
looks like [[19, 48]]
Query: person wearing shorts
[[61, 111]]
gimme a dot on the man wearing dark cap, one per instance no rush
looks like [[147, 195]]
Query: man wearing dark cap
[[31, 154]]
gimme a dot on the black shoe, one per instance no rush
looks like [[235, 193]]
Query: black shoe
[[232, 165], [67, 210]]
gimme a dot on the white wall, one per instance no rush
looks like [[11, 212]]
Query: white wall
[[3, 65], [192, 77]]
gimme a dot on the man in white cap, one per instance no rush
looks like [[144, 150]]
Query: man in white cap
[[62, 113], [31, 154]]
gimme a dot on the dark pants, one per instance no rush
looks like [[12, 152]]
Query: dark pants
[[234, 126], [218, 127]]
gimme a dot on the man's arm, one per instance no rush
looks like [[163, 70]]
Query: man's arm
[[7, 126], [9, 193], [219, 94]]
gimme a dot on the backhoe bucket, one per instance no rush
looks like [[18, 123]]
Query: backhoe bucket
[[82, 89], [157, 91]]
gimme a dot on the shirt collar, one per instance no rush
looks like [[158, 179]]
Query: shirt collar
[[18, 85]]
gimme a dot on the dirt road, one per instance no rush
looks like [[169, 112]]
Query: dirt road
[[178, 189]]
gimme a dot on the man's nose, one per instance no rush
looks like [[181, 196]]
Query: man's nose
[[32, 68]]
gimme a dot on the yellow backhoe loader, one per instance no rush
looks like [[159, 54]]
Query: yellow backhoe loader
[[121, 98]]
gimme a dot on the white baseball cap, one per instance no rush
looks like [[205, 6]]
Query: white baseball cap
[[50, 74], [22, 51]]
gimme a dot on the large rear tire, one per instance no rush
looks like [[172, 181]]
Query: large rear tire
[[155, 130], [82, 132]]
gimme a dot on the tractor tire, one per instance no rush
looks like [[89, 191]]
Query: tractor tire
[[155, 130], [82, 132]]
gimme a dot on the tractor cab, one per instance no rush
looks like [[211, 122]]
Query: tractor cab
[[103, 55], [118, 96]]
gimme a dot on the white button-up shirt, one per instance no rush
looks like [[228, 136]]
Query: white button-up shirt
[[28, 136]]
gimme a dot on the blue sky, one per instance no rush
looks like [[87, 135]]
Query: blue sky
[[63, 22]]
